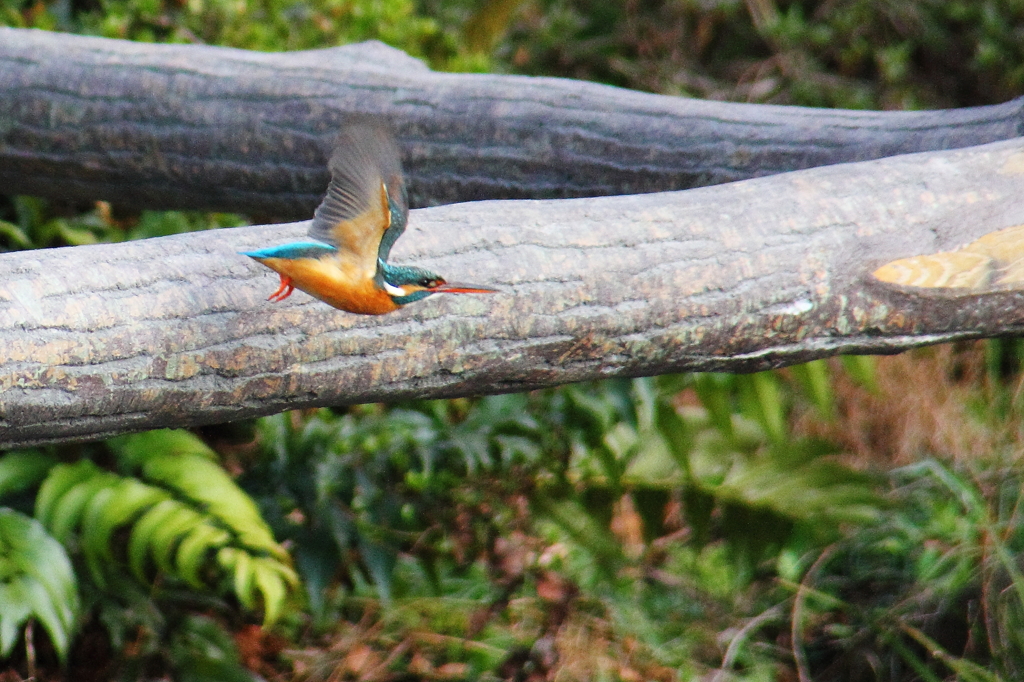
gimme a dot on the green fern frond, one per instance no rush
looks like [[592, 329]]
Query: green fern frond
[[186, 518], [22, 469], [158, 532], [193, 549], [65, 493], [258, 576], [36, 581], [184, 464]]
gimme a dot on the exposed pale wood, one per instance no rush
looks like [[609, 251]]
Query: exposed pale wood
[[176, 331], [185, 126]]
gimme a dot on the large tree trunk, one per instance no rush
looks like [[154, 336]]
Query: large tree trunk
[[176, 126], [176, 331]]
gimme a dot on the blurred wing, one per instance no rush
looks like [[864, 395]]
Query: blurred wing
[[365, 208]]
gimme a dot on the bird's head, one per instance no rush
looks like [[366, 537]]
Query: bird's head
[[406, 284]]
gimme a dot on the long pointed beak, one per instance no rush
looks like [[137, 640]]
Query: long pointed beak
[[460, 288]]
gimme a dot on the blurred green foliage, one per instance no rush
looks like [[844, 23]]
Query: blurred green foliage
[[883, 54], [411, 502], [271, 25], [37, 224], [662, 520], [670, 528], [372, 483]]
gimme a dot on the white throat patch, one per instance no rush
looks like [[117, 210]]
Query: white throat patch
[[394, 291]]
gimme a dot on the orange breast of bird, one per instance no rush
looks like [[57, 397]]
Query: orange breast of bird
[[336, 282]]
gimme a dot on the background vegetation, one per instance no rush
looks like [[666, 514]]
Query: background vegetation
[[843, 520]]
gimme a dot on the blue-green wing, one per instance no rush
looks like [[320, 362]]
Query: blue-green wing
[[365, 209]]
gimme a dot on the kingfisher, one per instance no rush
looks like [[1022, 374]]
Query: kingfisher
[[364, 212]]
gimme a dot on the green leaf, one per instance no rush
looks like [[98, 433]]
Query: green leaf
[[272, 578], [96, 553], [193, 549], [817, 489], [34, 553], [861, 369], [651, 503], [73, 236], [676, 434], [22, 469], [141, 539], [15, 235], [816, 380], [164, 539], [15, 610], [714, 391], [37, 582], [272, 586], [136, 449], [127, 500], [60, 480], [380, 561], [67, 511], [762, 399], [200, 511], [239, 564]]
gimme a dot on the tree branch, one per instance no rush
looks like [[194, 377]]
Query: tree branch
[[176, 126], [176, 331]]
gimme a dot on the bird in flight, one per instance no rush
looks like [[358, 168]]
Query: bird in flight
[[364, 212]]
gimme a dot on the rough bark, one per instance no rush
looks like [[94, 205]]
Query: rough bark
[[176, 331], [185, 126]]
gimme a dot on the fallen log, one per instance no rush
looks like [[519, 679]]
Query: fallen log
[[200, 127], [176, 331]]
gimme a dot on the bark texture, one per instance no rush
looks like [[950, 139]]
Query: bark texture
[[197, 127], [176, 331]]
